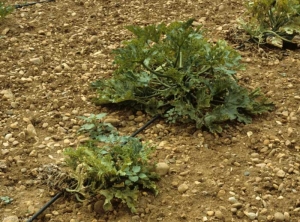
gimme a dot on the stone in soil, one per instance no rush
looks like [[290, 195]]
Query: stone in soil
[[11, 219], [278, 217], [162, 168], [183, 188]]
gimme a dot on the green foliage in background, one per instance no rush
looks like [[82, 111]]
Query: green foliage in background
[[174, 71], [119, 169], [5, 10], [272, 21]]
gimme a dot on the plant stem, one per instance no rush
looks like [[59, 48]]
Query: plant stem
[[155, 73]]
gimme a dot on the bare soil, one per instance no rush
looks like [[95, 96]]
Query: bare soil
[[49, 55]]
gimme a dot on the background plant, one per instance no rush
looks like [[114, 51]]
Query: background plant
[[5, 10], [278, 20], [174, 71], [114, 171]]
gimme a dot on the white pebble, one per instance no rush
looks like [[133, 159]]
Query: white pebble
[[182, 188]]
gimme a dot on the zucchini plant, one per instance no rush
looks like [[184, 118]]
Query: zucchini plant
[[272, 21], [174, 71], [109, 165]]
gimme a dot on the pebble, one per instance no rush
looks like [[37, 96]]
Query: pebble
[[11, 219], [162, 168], [113, 121], [98, 206], [288, 143], [250, 215], [139, 119], [221, 193], [58, 68], [30, 131], [37, 61], [237, 205], [5, 31], [8, 94], [232, 200], [210, 213], [280, 174], [219, 214], [290, 131], [14, 104], [14, 125], [55, 213], [162, 143], [286, 216], [183, 188], [135, 218], [67, 141], [246, 173], [84, 67], [221, 7], [8, 136], [4, 151], [65, 66], [278, 217], [33, 153]]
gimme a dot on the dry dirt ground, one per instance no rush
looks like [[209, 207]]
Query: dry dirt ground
[[50, 53]]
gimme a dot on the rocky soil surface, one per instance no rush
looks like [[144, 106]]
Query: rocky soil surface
[[49, 55]]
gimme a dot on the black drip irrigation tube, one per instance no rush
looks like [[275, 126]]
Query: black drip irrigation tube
[[46, 206], [58, 195], [31, 3]]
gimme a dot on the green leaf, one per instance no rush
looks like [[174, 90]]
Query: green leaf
[[143, 176], [129, 197], [109, 195], [88, 126], [136, 169], [134, 178], [100, 116]]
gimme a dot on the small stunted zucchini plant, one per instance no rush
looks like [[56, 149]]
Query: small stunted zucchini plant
[[174, 71], [5, 10], [119, 169], [272, 21]]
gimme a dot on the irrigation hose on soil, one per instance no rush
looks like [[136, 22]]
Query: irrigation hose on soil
[[58, 195], [31, 3], [45, 206]]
